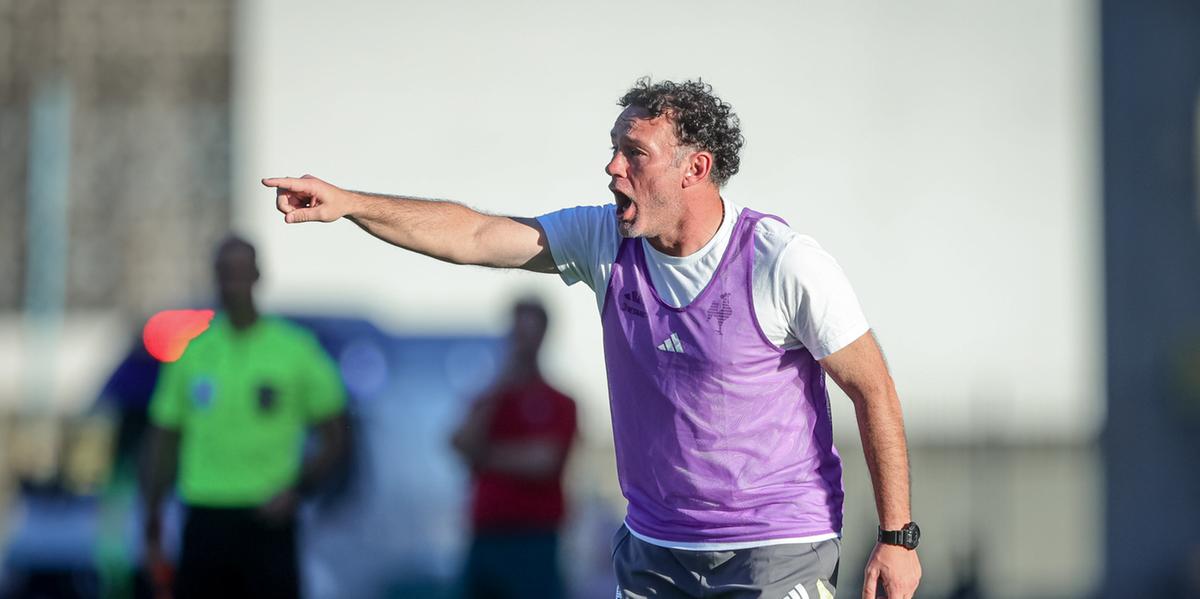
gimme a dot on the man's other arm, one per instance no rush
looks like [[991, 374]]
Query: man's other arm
[[860, 370], [159, 464], [530, 459], [440, 229], [316, 468], [330, 452]]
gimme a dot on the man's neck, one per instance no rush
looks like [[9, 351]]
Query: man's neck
[[522, 370], [702, 218], [243, 319]]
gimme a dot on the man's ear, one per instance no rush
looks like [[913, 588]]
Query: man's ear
[[699, 167]]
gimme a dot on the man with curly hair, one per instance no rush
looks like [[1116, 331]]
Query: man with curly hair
[[719, 326]]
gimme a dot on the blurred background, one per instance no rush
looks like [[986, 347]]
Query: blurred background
[[1011, 186]]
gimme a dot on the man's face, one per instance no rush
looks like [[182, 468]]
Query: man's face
[[528, 330], [646, 173], [236, 275]]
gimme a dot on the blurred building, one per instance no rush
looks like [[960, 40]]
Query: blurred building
[[114, 185], [146, 90]]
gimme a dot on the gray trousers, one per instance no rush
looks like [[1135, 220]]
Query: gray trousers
[[791, 571]]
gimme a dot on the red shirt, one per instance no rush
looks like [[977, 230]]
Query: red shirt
[[526, 411]]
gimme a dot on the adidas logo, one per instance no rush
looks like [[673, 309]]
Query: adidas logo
[[671, 344], [799, 592]]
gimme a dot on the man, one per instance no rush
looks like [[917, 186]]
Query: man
[[234, 412], [515, 440], [719, 324]]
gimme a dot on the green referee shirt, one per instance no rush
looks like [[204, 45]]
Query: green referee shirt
[[242, 402]]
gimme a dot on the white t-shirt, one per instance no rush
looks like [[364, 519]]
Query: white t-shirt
[[801, 296]]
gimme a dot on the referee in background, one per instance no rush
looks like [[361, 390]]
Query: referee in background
[[232, 417]]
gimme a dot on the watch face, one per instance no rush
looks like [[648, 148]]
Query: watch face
[[912, 535]]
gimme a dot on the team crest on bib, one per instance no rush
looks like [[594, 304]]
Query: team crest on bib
[[631, 302], [719, 310]]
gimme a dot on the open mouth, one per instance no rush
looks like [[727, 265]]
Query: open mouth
[[626, 209]]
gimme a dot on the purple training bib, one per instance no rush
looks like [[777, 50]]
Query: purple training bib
[[720, 435]]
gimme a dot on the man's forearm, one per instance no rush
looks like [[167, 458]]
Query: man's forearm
[[437, 228], [330, 451], [159, 465], [532, 460], [881, 426]]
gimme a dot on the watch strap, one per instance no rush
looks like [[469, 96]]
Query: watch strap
[[908, 537]]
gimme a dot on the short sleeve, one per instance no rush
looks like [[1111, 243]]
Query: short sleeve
[[583, 241], [823, 312], [321, 385], [169, 402]]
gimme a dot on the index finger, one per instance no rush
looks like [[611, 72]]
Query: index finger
[[290, 184], [869, 584]]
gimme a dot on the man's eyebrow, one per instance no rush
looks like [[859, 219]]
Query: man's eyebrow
[[625, 137]]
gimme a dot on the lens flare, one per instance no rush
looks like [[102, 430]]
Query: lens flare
[[168, 333]]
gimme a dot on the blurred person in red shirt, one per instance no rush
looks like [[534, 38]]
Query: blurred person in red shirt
[[515, 440]]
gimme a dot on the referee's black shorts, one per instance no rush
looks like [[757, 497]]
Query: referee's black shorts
[[233, 552]]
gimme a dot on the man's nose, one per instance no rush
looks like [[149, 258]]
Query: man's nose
[[615, 166]]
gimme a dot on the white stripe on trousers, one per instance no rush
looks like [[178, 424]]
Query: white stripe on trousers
[[797, 593]]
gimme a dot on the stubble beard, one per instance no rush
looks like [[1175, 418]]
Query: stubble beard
[[642, 224]]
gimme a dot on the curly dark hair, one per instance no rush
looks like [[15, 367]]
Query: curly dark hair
[[701, 119]]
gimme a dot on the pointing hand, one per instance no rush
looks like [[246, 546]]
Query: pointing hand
[[308, 199]]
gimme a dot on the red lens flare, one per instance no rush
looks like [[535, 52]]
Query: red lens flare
[[168, 333]]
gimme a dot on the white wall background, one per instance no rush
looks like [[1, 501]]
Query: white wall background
[[944, 152]]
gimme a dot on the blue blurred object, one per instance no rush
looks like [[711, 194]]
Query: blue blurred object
[[403, 524], [1150, 57]]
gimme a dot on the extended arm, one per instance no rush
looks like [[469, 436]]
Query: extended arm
[[859, 369], [440, 229]]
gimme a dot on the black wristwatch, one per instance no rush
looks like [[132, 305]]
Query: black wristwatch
[[908, 537]]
